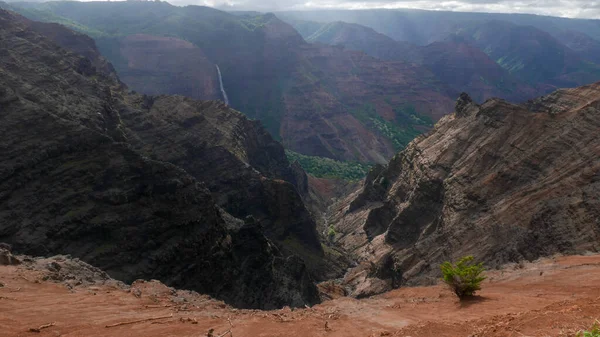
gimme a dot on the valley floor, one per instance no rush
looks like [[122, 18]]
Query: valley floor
[[552, 297]]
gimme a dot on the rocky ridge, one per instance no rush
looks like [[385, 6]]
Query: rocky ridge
[[94, 175], [499, 181]]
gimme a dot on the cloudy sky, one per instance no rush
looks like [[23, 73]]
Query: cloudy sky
[[565, 8]]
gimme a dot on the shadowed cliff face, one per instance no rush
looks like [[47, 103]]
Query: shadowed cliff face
[[167, 65], [245, 170], [77, 43], [499, 181], [116, 179]]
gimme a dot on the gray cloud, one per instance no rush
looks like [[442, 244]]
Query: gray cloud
[[564, 8]]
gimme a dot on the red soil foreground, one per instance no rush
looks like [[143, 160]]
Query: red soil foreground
[[552, 297]]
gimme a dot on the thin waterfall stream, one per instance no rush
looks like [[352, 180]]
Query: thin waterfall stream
[[223, 92]]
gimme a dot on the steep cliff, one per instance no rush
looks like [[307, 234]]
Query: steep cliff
[[167, 65], [499, 181], [91, 170]]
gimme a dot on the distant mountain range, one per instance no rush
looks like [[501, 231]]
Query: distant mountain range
[[424, 27], [463, 48], [347, 85]]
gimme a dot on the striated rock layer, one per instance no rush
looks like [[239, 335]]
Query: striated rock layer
[[144, 187], [499, 181]]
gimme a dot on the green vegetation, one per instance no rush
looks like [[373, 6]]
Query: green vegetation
[[328, 168], [464, 277], [594, 332], [331, 233], [402, 130]]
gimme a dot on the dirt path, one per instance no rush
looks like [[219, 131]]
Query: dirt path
[[548, 298]]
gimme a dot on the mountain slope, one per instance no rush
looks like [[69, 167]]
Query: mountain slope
[[530, 54], [466, 68], [585, 47], [499, 181], [459, 65], [348, 105], [88, 170], [268, 70], [360, 38]]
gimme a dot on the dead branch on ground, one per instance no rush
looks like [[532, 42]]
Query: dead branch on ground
[[41, 327]]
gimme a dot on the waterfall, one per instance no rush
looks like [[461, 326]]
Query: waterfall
[[225, 98]]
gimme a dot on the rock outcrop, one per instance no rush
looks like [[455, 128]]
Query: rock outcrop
[[499, 181], [118, 180], [7, 259]]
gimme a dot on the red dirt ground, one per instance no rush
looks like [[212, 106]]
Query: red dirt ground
[[552, 297]]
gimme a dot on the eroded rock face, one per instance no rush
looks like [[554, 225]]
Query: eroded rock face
[[498, 181], [92, 171], [7, 259], [167, 65], [246, 171]]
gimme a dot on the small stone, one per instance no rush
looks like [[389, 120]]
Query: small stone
[[54, 267]]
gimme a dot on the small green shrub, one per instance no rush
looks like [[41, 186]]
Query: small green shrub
[[464, 277], [595, 332], [331, 233]]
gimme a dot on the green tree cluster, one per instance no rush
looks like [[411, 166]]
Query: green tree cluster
[[328, 168]]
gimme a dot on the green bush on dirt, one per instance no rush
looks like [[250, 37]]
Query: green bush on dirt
[[594, 332], [464, 277]]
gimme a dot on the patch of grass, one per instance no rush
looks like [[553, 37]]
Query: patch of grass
[[594, 332], [331, 233]]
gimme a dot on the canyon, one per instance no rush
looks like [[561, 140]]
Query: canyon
[[116, 180]]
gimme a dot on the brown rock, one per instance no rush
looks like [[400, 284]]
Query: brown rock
[[7, 259], [499, 181]]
